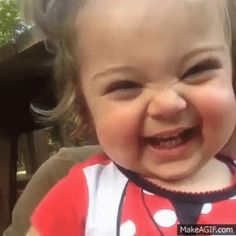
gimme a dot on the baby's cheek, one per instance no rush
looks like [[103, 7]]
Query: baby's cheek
[[113, 126], [118, 138], [217, 111]]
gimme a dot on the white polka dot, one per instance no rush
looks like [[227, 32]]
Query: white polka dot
[[165, 218], [128, 228], [234, 197], [206, 208], [148, 193]]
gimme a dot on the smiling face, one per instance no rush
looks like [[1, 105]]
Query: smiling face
[[157, 81]]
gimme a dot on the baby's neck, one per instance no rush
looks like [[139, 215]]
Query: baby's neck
[[215, 175]]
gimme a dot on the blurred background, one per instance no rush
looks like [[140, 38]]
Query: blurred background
[[25, 80]]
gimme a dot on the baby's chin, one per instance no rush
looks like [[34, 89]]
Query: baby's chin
[[170, 178]]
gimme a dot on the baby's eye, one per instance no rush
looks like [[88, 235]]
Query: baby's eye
[[207, 65], [121, 86]]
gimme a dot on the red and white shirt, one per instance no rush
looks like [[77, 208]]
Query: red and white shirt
[[99, 198]]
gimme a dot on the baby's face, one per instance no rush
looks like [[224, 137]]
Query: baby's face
[[156, 76]]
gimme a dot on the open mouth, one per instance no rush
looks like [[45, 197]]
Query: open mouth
[[172, 141]]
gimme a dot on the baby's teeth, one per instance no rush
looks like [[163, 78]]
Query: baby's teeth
[[170, 144]]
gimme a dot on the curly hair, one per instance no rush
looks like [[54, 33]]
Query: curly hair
[[55, 18]]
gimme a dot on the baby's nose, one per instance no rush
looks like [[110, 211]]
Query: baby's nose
[[166, 104]]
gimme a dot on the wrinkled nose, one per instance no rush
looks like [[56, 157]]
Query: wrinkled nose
[[166, 104]]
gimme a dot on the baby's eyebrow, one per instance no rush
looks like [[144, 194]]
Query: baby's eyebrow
[[116, 70], [135, 71], [201, 50]]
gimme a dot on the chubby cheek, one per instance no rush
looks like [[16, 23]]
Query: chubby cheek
[[217, 111], [117, 130]]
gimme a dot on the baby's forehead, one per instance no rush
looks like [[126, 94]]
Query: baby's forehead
[[153, 6], [139, 12], [150, 31], [125, 15]]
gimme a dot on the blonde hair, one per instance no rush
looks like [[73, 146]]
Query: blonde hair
[[55, 17]]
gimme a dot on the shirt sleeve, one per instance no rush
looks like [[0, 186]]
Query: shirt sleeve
[[63, 210]]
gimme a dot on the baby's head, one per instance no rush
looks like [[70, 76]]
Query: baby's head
[[153, 78]]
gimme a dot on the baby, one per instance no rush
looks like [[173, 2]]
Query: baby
[[153, 80]]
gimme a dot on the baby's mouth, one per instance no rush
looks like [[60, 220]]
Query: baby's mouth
[[172, 141]]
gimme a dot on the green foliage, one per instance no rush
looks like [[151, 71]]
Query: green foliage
[[10, 23]]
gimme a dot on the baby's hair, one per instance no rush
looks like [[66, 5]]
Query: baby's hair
[[55, 18]]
